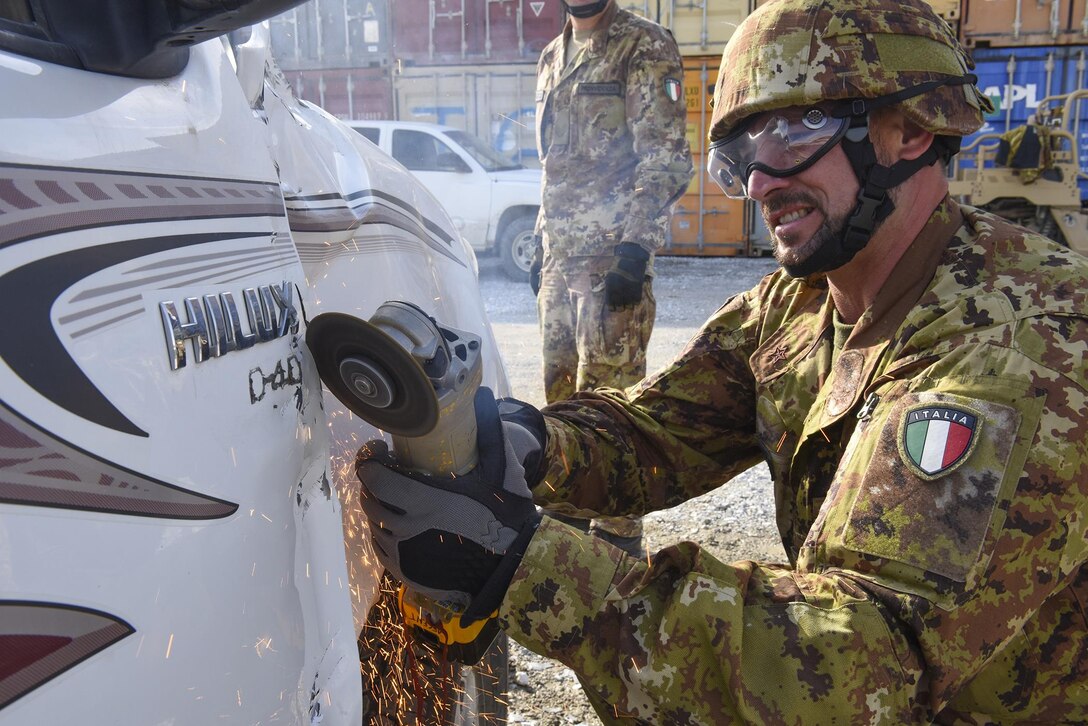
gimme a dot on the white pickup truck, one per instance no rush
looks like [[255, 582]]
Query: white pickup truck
[[176, 495], [492, 200]]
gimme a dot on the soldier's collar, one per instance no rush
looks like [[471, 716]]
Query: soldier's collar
[[909, 278]]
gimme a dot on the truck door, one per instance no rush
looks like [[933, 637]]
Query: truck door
[[462, 188]]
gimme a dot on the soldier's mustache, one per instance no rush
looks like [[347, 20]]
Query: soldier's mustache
[[788, 199]]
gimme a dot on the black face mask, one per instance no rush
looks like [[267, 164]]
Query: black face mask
[[586, 11]]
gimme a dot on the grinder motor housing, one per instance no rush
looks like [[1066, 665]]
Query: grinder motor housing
[[402, 373]]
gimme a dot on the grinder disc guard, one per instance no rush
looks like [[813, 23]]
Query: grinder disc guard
[[372, 375]]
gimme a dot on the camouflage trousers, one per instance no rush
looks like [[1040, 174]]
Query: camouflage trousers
[[586, 345]]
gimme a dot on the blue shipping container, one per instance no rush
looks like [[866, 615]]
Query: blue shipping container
[[1017, 79]]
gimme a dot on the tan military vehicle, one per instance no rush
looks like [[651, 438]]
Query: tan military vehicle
[[1030, 174]]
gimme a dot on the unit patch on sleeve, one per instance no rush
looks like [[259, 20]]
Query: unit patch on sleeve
[[934, 440]]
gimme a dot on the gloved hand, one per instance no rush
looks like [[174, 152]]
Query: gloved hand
[[456, 540], [536, 265], [623, 282], [524, 429]]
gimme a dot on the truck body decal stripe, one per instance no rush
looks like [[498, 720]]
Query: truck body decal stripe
[[38, 469], [39, 641]]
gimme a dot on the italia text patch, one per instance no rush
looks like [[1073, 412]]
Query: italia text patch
[[934, 440]]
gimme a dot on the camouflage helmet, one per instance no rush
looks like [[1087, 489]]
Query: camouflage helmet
[[802, 52]]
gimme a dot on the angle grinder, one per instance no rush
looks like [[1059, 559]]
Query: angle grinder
[[403, 373]]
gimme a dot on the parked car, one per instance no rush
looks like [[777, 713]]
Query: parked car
[[172, 527], [492, 200]]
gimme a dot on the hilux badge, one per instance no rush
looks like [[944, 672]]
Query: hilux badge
[[215, 326]]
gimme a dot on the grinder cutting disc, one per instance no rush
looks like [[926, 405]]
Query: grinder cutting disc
[[374, 376]]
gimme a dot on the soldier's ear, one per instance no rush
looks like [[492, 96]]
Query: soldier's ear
[[896, 137]]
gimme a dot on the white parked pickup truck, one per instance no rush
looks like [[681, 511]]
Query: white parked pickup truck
[[492, 200]]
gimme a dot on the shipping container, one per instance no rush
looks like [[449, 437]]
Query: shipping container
[[438, 32], [518, 30], [947, 9], [705, 221], [496, 103], [1018, 79], [332, 34], [702, 27], [357, 93], [644, 8], [1005, 23]]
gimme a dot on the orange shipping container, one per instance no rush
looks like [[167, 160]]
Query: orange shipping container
[[1014, 23], [705, 221]]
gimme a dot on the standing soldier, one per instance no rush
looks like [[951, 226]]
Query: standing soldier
[[916, 379], [611, 137]]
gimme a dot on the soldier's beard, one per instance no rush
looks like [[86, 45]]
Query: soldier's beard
[[791, 257]]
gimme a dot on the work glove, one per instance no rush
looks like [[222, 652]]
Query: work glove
[[524, 430], [456, 540], [623, 282], [536, 265]]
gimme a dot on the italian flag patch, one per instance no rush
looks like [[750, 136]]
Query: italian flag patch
[[673, 89], [937, 439]]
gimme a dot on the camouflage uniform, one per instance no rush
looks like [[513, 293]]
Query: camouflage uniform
[[586, 345], [916, 591], [615, 158]]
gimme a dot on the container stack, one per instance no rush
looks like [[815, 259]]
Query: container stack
[[472, 64], [337, 54], [705, 221]]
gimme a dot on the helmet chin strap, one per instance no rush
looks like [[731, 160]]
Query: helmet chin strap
[[874, 204], [585, 11]]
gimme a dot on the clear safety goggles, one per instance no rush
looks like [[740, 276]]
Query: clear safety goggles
[[779, 143]]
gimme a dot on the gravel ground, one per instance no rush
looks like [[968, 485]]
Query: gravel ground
[[735, 522]]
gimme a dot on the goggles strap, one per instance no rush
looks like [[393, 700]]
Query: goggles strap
[[874, 203]]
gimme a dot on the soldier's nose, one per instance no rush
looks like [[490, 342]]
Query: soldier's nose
[[761, 184]]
